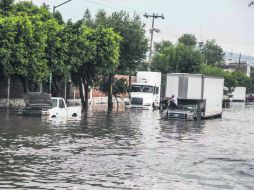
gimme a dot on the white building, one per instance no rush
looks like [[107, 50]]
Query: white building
[[232, 65]]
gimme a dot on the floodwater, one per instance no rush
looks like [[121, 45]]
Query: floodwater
[[133, 149]]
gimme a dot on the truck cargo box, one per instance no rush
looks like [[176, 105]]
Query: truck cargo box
[[208, 89]]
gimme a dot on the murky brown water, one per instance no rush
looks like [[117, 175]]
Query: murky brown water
[[134, 149]]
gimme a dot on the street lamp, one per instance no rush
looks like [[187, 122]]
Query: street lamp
[[54, 9]]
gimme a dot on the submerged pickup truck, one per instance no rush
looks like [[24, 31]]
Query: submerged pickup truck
[[189, 110], [41, 104]]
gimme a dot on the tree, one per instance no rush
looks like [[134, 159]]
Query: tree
[[6, 7], [82, 54], [107, 56], [188, 59], [56, 53], [28, 8], [120, 87], [213, 54], [134, 44], [179, 58], [188, 40], [22, 49], [236, 78], [164, 61], [161, 46], [88, 20]]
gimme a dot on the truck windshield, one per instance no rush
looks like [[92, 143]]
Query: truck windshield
[[54, 102], [142, 88], [190, 107]]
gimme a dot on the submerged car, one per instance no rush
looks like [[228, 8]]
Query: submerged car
[[189, 110], [41, 104]]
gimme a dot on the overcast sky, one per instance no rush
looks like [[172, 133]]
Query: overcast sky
[[229, 22]]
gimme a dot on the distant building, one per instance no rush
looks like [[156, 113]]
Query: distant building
[[232, 65]]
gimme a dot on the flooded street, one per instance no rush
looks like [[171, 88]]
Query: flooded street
[[133, 149]]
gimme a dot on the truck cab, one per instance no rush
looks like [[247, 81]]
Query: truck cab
[[144, 96], [187, 109], [41, 104], [60, 109], [145, 93]]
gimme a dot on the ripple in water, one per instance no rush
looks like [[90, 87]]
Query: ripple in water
[[134, 149]]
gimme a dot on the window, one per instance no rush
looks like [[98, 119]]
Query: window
[[142, 88], [54, 103], [61, 103], [136, 88], [148, 89]]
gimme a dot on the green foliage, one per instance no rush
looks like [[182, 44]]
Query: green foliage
[[159, 47], [134, 44], [188, 40], [107, 50], [23, 48], [213, 54], [188, 59], [236, 78], [6, 7], [28, 8], [165, 61], [120, 86], [179, 58], [92, 53]]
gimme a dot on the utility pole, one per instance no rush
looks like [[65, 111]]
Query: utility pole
[[153, 16], [240, 56]]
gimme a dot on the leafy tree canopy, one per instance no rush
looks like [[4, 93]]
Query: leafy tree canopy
[[188, 40], [213, 53]]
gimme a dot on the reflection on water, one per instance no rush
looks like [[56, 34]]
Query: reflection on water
[[132, 149]]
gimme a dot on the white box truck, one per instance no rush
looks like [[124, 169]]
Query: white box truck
[[239, 94], [198, 96], [145, 93]]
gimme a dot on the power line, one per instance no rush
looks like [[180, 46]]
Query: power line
[[120, 5], [111, 7]]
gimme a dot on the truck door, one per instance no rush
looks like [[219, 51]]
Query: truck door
[[62, 108]]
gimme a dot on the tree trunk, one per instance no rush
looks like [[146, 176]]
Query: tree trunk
[[85, 82], [129, 84], [25, 85], [68, 90], [56, 86], [110, 89], [117, 103], [35, 87], [81, 94]]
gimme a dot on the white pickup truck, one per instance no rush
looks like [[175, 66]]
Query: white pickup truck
[[59, 109], [41, 104]]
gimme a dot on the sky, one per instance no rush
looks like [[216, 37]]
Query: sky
[[229, 22]]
